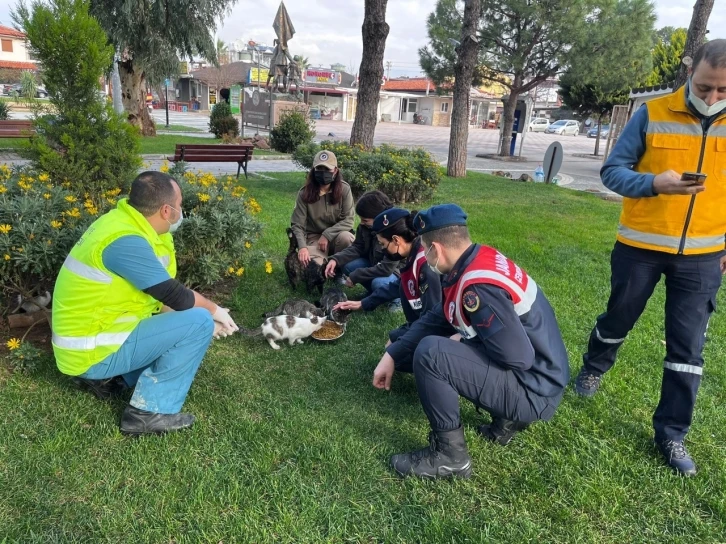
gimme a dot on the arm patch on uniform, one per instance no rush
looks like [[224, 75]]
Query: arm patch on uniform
[[471, 301], [486, 322]]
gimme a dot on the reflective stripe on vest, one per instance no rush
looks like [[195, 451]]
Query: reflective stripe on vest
[[90, 342], [672, 242], [85, 271]]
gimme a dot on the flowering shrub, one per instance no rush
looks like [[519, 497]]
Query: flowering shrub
[[405, 175], [24, 357], [40, 221]]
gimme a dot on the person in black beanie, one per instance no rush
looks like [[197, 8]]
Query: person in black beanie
[[366, 262]]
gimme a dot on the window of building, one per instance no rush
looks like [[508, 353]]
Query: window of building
[[7, 46], [444, 107], [412, 105]]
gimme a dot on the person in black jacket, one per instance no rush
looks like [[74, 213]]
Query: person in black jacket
[[511, 360], [365, 262], [418, 287]]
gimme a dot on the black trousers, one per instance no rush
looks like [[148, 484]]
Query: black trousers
[[446, 369], [692, 282]]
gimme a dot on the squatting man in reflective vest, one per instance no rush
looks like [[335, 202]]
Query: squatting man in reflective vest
[[669, 164], [105, 331], [510, 359]]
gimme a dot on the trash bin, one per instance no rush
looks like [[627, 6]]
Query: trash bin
[[184, 108]]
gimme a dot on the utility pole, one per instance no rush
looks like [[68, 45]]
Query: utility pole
[[388, 69]]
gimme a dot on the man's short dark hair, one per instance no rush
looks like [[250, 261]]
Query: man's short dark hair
[[372, 203], [454, 236], [150, 191], [713, 52]]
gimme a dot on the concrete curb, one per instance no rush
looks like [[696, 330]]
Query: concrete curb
[[588, 156]]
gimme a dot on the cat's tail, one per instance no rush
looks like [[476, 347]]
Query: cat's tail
[[250, 332]]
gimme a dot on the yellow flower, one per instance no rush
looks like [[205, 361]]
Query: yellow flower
[[3, 189], [268, 267], [253, 206], [111, 201], [241, 271], [248, 245], [73, 213], [88, 204], [13, 343], [231, 270], [46, 196], [92, 210], [71, 199], [43, 178], [49, 186], [164, 167], [204, 197], [4, 229], [7, 257], [219, 198], [56, 224]]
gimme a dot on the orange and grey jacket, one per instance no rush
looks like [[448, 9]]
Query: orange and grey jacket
[[667, 135]]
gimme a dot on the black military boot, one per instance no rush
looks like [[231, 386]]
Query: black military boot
[[587, 383], [676, 456], [103, 389], [136, 422], [446, 456], [500, 430]]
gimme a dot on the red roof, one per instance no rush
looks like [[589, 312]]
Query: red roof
[[7, 31], [18, 65], [412, 84]]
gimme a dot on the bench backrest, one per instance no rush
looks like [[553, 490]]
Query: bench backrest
[[235, 152]]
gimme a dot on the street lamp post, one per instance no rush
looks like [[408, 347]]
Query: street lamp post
[[166, 100]]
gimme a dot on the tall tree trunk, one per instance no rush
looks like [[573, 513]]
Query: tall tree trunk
[[508, 122], [133, 94], [375, 32], [463, 75], [696, 35]]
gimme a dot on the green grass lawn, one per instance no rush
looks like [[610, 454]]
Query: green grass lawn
[[292, 446], [152, 145], [176, 128]]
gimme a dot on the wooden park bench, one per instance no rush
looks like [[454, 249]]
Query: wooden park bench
[[16, 129], [239, 153]]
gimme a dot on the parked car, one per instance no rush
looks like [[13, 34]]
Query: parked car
[[564, 127], [539, 125], [592, 133], [16, 89]]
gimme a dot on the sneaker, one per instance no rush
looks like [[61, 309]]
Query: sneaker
[[501, 431], [677, 457], [103, 389], [446, 456], [587, 383], [395, 306], [137, 422]]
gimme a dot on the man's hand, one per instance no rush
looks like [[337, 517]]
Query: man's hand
[[349, 283], [303, 256], [353, 305], [222, 317], [383, 373], [330, 269], [670, 183], [323, 244], [455, 337], [220, 331], [723, 265]]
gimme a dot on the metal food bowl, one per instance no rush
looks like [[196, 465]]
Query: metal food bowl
[[329, 324]]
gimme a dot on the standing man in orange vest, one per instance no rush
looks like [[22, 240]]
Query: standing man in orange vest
[[670, 166]]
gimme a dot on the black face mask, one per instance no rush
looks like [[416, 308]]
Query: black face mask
[[324, 177], [395, 256]]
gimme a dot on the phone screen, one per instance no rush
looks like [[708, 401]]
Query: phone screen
[[694, 177]]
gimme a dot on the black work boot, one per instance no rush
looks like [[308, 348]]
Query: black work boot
[[587, 383], [136, 422], [446, 456], [500, 430], [103, 389], [677, 457]]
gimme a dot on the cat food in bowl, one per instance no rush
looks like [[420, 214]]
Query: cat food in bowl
[[329, 331]]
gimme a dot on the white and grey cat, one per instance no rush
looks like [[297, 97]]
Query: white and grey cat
[[286, 327]]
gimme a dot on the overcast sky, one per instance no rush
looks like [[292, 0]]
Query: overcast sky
[[328, 33]]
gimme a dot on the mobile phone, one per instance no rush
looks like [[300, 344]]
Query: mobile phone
[[697, 178]]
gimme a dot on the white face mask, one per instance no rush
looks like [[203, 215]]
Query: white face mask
[[703, 108], [174, 226], [434, 267]]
